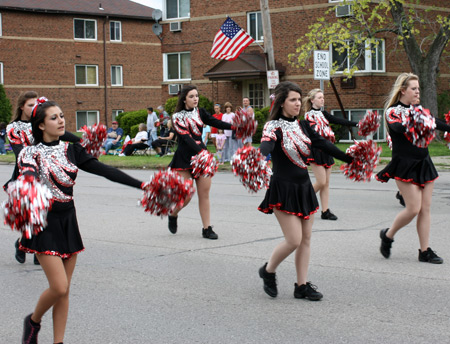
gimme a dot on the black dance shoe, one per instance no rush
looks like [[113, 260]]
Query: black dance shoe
[[400, 198], [328, 215], [270, 281], [173, 226], [430, 256], [307, 291], [20, 255], [30, 331], [36, 261], [208, 233], [386, 243]]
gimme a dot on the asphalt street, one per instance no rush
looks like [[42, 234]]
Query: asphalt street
[[138, 283]]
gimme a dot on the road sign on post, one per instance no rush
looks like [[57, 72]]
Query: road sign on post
[[321, 65], [273, 79]]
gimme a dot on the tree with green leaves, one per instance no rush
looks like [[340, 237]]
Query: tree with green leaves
[[5, 106], [415, 26]]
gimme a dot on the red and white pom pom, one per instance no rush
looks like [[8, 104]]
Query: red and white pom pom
[[250, 165], [245, 123], [93, 138], [369, 124], [204, 164], [365, 156], [447, 134], [420, 126], [165, 192], [27, 206]]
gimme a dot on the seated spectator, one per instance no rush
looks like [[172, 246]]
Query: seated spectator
[[139, 141], [161, 141], [114, 134], [2, 138]]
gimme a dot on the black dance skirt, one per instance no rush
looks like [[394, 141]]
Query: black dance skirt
[[416, 171], [60, 238], [320, 158], [296, 199]]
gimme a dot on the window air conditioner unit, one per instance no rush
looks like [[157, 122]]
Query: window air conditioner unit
[[344, 11], [174, 89], [175, 26]]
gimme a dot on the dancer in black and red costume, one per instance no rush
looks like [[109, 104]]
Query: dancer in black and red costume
[[411, 166], [20, 136], [188, 122], [291, 196], [55, 164], [320, 161]]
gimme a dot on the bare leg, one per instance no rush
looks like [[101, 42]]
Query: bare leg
[[303, 252], [322, 183], [185, 175], [424, 217], [412, 195], [59, 274], [203, 188], [291, 227]]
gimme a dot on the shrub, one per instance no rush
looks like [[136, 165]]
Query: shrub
[[170, 105], [134, 130], [5, 106], [128, 119]]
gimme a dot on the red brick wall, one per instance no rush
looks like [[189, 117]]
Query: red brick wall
[[39, 52]]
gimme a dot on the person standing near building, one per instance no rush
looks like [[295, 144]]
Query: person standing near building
[[152, 124], [320, 161], [2, 138], [228, 117], [218, 115], [247, 141], [188, 122], [411, 167], [290, 195]]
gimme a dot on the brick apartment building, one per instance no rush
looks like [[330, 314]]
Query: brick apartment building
[[190, 26], [95, 58]]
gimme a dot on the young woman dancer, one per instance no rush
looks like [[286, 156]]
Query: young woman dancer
[[320, 161], [412, 169], [19, 136], [188, 122], [56, 164], [291, 196]]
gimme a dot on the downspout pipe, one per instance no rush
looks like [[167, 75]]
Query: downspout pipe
[[105, 72]]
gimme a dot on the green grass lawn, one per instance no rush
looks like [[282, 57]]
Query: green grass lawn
[[155, 162]]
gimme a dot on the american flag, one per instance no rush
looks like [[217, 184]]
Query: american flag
[[230, 41]]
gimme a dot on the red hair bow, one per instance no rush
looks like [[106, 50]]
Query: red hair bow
[[39, 101]]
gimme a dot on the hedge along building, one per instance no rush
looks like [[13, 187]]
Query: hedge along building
[[189, 27], [95, 58]]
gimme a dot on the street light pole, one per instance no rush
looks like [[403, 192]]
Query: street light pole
[[267, 32]]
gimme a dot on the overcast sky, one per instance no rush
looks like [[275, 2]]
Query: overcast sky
[[151, 3]]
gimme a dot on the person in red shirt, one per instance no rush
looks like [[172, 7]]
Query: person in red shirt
[[217, 114]]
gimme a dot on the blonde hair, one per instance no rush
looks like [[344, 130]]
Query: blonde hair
[[142, 127], [307, 103], [400, 84]]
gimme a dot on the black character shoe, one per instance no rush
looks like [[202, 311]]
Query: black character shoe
[[307, 291], [173, 226], [386, 243], [20, 255], [430, 256], [328, 215], [208, 233], [30, 331], [400, 198], [270, 281], [36, 261]]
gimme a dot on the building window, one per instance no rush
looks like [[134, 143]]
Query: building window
[[369, 58], [178, 9], [256, 94], [85, 29], [86, 75], [116, 76], [115, 113], [356, 116], [115, 31], [177, 66], [1, 73], [254, 26], [87, 118]]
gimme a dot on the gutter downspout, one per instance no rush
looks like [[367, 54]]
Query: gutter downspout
[[105, 71]]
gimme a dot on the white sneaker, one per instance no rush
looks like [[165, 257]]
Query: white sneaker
[[121, 154]]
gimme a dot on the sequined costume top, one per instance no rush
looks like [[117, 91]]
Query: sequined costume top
[[409, 163], [56, 165], [290, 143], [188, 125]]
